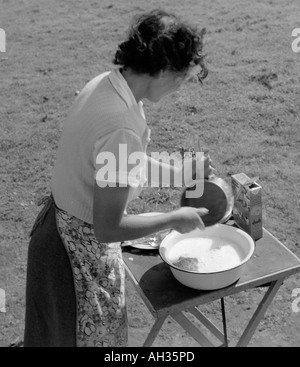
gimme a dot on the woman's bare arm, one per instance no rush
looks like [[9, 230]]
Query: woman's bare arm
[[112, 225]]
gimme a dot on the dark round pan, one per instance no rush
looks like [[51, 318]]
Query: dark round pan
[[217, 198]]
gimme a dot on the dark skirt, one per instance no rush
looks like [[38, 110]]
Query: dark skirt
[[75, 291], [50, 318]]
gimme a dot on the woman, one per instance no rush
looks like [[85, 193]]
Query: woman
[[75, 294]]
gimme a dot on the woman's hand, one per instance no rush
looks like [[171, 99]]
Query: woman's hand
[[188, 219], [197, 168], [208, 169]]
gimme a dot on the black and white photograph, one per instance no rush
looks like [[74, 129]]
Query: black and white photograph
[[149, 176]]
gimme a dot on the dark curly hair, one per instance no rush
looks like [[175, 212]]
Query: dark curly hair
[[159, 41]]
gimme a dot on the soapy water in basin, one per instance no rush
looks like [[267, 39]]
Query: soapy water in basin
[[205, 255]]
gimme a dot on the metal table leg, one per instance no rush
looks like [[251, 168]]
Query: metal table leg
[[224, 322], [154, 331], [192, 329], [259, 313]]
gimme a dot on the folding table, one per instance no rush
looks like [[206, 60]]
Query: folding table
[[164, 296]]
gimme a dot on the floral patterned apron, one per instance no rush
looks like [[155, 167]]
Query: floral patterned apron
[[99, 278]]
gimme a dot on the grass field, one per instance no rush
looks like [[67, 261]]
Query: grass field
[[246, 113]]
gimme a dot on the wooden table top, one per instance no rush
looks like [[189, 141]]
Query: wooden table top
[[163, 294]]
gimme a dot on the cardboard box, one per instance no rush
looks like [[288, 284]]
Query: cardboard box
[[247, 210]]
